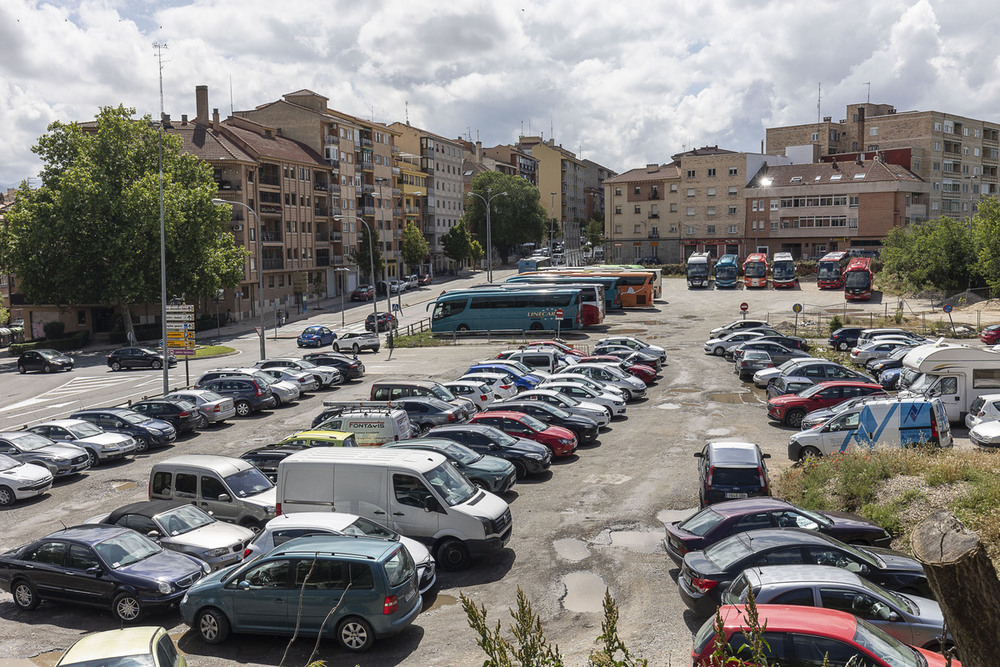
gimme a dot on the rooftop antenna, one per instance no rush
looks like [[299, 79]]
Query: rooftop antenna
[[869, 84], [819, 99], [232, 108], [407, 106]]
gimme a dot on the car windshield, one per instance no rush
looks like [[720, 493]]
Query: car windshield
[[312, 330], [499, 437], [182, 520], [7, 463], [138, 660], [518, 365], [702, 523], [132, 417], [264, 377], [248, 482], [363, 526], [558, 412], [450, 484], [727, 553], [895, 598], [305, 364], [899, 353], [891, 650], [809, 391], [125, 549], [532, 423], [29, 442], [462, 454], [84, 430], [49, 354], [442, 393]]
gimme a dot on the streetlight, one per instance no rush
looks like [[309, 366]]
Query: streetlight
[[343, 286], [260, 268], [552, 222], [371, 263], [489, 232], [379, 181]]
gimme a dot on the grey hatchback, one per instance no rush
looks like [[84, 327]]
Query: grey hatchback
[[249, 394]]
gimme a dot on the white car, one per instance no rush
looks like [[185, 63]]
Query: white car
[[478, 392], [635, 344], [879, 348], [101, 445], [599, 387], [718, 346], [984, 409], [305, 381], [765, 375], [582, 392], [286, 527], [599, 413], [630, 386], [21, 480], [736, 325], [328, 375], [214, 408], [986, 435], [502, 384]]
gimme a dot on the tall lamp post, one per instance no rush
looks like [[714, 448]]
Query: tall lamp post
[[371, 262], [489, 231], [260, 268], [379, 181], [552, 221], [340, 271]]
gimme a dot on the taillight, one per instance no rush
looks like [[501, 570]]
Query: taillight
[[506, 386], [277, 509], [184, 414], [149, 490], [934, 429], [217, 408], [451, 417], [760, 476], [703, 585], [482, 397], [257, 388], [708, 479], [246, 553], [391, 605]]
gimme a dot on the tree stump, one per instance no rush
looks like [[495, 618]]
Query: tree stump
[[965, 584]]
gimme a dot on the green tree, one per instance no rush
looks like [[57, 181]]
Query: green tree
[[516, 217], [936, 254], [91, 232], [594, 231], [476, 252], [362, 257], [415, 246], [986, 232], [457, 242]]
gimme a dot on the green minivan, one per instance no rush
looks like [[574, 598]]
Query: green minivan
[[376, 577]]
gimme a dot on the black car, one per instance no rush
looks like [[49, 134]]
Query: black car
[[351, 369], [844, 338], [721, 520], [731, 470], [706, 574], [101, 566], [427, 411], [249, 393], [267, 458], [386, 321], [182, 415], [894, 360], [631, 356], [528, 457], [584, 428], [45, 361], [779, 353], [138, 357], [148, 431]]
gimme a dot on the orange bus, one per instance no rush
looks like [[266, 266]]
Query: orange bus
[[635, 287], [858, 279], [755, 270]]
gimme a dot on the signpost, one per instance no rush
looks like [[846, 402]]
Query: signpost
[[180, 334], [947, 308], [744, 307], [797, 308], [559, 316]]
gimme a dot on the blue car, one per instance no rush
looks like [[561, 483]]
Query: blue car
[[523, 377], [316, 336], [890, 378]]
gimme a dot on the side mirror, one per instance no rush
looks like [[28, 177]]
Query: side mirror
[[699, 455], [893, 617], [153, 534], [766, 456], [243, 585], [431, 505], [864, 569], [94, 571], [224, 498]]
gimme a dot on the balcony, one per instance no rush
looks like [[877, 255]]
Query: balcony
[[335, 188], [321, 210], [273, 263], [396, 192], [337, 237], [228, 185], [331, 140], [654, 194], [654, 214], [395, 171], [367, 143], [368, 188], [322, 237], [367, 210], [334, 210], [270, 237], [366, 165], [270, 181], [338, 260], [395, 150], [237, 216], [654, 233], [271, 209], [319, 187]]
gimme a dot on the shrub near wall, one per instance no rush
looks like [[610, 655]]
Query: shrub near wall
[[72, 342]]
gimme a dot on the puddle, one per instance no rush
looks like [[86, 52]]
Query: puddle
[[642, 541], [611, 478], [716, 432], [690, 317], [651, 323], [734, 398], [126, 486], [443, 600], [584, 592], [668, 406], [683, 390], [669, 516], [47, 659], [571, 549]]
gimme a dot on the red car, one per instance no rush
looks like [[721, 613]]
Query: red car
[[791, 408], [363, 293], [566, 349], [425, 279], [645, 373], [560, 440], [990, 335], [799, 635]]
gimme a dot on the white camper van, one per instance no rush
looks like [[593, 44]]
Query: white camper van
[[418, 494], [957, 374]]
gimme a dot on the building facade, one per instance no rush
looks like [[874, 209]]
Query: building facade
[[560, 182], [524, 165], [642, 206]]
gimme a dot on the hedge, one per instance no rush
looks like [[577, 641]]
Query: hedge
[[72, 342]]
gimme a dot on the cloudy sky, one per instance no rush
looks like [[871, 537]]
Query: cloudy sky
[[621, 82]]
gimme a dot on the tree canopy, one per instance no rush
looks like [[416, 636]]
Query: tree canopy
[[986, 235], [91, 232], [415, 246], [594, 231], [936, 254], [516, 217], [457, 242]]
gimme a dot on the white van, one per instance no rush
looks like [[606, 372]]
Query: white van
[[891, 422], [416, 493], [372, 424], [957, 374], [231, 489]]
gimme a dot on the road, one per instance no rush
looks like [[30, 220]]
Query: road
[[595, 521]]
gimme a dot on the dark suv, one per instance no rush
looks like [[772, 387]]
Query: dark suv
[[844, 338], [528, 457], [386, 321], [248, 393], [731, 470], [138, 357], [183, 415], [148, 431]]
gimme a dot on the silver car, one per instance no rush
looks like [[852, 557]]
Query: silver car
[[599, 413], [327, 375], [306, 382], [62, 459], [583, 392], [636, 344], [180, 526], [502, 384], [21, 480], [101, 445], [214, 408], [879, 348], [631, 387], [718, 346], [911, 619]]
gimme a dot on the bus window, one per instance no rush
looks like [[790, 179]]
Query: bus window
[[448, 308]]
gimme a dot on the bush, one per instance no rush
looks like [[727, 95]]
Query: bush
[[835, 323], [805, 267], [54, 329], [72, 342]]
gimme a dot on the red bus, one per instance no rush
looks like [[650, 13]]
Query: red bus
[[858, 279], [830, 271], [755, 270]]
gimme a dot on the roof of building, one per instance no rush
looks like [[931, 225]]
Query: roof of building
[[648, 173], [208, 144], [832, 173], [273, 146]]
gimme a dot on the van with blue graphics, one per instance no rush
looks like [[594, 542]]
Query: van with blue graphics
[[889, 422]]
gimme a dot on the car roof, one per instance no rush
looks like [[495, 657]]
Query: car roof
[[780, 574], [724, 453], [340, 545], [795, 618], [112, 411], [111, 644], [849, 383], [510, 414], [64, 422], [148, 508], [225, 465], [765, 538], [90, 533], [323, 433], [749, 505], [331, 520], [468, 426]]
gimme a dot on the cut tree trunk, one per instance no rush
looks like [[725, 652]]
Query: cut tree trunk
[[965, 584]]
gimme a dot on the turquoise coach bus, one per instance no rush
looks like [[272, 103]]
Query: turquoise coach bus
[[484, 309]]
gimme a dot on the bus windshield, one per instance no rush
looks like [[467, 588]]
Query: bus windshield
[[829, 270], [698, 270], [783, 270], [756, 270], [725, 272], [857, 280]]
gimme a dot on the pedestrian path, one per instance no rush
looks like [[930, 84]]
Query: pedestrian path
[[76, 387]]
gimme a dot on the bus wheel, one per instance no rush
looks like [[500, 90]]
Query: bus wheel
[[536, 326], [462, 327]]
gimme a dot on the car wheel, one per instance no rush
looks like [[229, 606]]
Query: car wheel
[[21, 369], [355, 348], [627, 395], [92, 455], [157, 364], [7, 496], [47, 368], [127, 608], [243, 408], [462, 327], [452, 555], [252, 524], [355, 634], [25, 596], [336, 348], [478, 483], [794, 418], [719, 351], [116, 366], [809, 453], [141, 444], [213, 626], [842, 346], [202, 421], [519, 470]]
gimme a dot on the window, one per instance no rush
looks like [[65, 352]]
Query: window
[[637, 209], [872, 131], [690, 173], [409, 490], [812, 650], [733, 190], [618, 191], [734, 171], [711, 172], [975, 151], [799, 596], [690, 192], [673, 207], [618, 229], [637, 229], [916, 165], [711, 192], [690, 210], [638, 190], [937, 145], [814, 136], [731, 229], [710, 210], [211, 488], [936, 165], [853, 202], [81, 558], [732, 210], [271, 575], [949, 127], [774, 225], [618, 210], [186, 484], [937, 126], [774, 204], [689, 229], [937, 185], [852, 223], [710, 229], [673, 187]]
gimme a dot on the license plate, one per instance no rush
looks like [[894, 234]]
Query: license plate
[[736, 495]]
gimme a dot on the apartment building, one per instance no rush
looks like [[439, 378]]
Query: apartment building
[[958, 156], [811, 209], [412, 182], [523, 164], [441, 162], [560, 180], [642, 208]]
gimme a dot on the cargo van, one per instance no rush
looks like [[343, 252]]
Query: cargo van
[[890, 422], [957, 374], [231, 489], [416, 493], [372, 424]]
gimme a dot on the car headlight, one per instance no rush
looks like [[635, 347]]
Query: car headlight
[[215, 553], [535, 456], [564, 441], [165, 587], [269, 509], [108, 448], [206, 568], [487, 525]]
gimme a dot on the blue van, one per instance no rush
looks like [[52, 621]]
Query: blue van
[[524, 377]]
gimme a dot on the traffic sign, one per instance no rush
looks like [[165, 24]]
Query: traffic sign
[[180, 317], [181, 308], [947, 307], [559, 313], [744, 306], [797, 308], [180, 326], [188, 352], [186, 344], [185, 335]]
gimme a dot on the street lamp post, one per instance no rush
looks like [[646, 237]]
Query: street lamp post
[[260, 268], [340, 270], [371, 263], [379, 181], [552, 221], [489, 232]]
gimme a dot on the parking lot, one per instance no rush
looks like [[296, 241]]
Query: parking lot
[[595, 521]]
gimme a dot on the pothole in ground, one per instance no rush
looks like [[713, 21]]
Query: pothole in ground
[[682, 390], [125, 485], [691, 317], [571, 549], [48, 659], [643, 541], [629, 330], [612, 479], [443, 600], [733, 398], [669, 516], [584, 592]]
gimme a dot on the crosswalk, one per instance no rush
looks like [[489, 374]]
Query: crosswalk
[[90, 385]]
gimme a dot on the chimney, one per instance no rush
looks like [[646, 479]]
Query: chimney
[[479, 152], [836, 166], [215, 119], [201, 105], [184, 119], [652, 167]]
